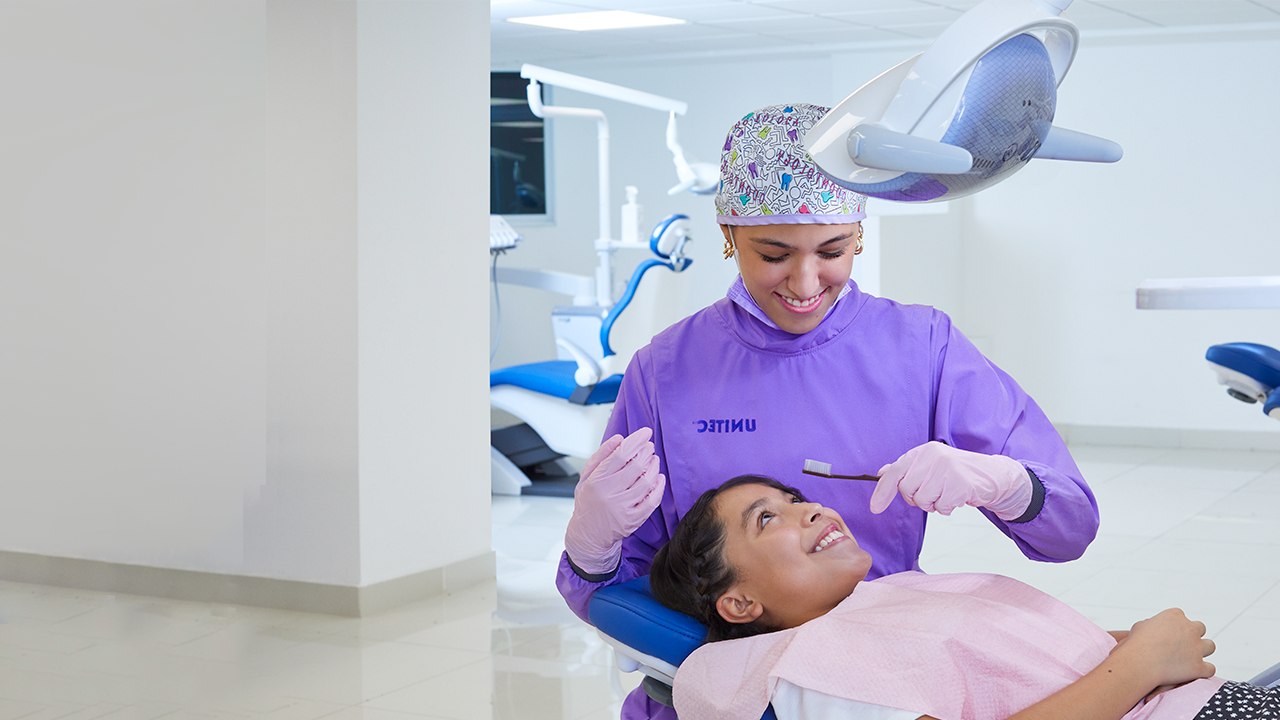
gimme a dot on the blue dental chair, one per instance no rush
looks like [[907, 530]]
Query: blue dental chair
[[567, 402], [1251, 373]]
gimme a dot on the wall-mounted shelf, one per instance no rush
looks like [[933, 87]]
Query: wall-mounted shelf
[[1223, 293]]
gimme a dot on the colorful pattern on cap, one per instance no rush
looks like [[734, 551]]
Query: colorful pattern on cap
[[767, 178]]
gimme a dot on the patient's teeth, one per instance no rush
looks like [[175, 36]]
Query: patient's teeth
[[828, 539]]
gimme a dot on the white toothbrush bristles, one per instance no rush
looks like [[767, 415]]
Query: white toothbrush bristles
[[814, 467]]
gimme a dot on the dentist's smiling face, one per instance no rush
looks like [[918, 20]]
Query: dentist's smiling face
[[795, 272], [795, 560]]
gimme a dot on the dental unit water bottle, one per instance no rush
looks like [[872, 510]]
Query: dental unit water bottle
[[631, 216]]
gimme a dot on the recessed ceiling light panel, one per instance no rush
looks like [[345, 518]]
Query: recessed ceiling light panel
[[602, 20]]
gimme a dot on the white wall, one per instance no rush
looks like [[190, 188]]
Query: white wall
[[228, 345], [132, 279], [1052, 257]]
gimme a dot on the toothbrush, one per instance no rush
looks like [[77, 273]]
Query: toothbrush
[[821, 469]]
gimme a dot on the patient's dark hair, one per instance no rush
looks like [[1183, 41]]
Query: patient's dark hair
[[690, 572]]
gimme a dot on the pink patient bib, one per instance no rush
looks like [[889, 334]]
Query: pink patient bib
[[958, 647]]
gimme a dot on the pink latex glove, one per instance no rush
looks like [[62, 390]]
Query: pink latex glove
[[619, 487], [936, 477]]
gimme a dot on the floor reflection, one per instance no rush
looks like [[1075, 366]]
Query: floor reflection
[[547, 663]]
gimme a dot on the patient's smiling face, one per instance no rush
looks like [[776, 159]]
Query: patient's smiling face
[[795, 560]]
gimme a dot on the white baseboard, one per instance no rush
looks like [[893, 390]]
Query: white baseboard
[[245, 590], [1169, 437]]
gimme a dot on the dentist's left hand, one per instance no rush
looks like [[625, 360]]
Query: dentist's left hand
[[936, 477], [619, 488]]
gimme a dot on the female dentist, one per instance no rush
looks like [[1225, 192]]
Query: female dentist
[[797, 363]]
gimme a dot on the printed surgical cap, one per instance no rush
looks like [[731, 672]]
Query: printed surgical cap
[[767, 178]]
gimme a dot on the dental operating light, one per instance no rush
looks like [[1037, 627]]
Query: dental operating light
[[968, 112]]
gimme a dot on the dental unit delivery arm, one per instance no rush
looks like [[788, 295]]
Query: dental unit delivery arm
[[794, 390]]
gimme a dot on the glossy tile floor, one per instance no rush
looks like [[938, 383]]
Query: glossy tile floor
[[1189, 528]]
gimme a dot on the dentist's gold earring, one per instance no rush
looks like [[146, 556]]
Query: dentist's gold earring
[[857, 249], [728, 248]]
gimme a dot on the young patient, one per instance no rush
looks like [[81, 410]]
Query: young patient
[[783, 579]]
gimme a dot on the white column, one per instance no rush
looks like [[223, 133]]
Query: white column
[[422, 267]]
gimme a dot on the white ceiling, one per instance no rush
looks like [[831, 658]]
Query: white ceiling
[[724, 28]]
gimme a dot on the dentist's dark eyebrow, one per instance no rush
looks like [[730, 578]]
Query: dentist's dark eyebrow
[[779, 244]]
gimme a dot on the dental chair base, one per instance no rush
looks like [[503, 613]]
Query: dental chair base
[[537, 394], [504, 477], [522, 447]]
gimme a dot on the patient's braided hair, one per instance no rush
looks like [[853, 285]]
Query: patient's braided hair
[[690, 572]]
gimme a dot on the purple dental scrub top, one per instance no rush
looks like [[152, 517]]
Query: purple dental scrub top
[[728, 395]]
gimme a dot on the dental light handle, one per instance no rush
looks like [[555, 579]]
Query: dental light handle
[[875, 146], [1064, 144]]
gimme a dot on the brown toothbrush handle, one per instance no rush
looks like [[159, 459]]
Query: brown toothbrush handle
[[872, 478]]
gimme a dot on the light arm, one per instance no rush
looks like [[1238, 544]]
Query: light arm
[[602, 89]]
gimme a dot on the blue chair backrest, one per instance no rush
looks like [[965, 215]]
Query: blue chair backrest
[[629, 613]]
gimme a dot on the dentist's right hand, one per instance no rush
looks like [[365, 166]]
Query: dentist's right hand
[[619, 488]]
